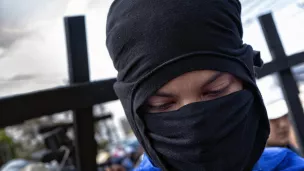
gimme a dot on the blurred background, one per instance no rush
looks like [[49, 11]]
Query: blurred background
[[33, 57]]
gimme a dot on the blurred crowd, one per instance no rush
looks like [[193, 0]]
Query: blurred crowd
[[124, 155]]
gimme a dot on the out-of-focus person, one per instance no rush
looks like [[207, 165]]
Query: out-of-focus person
[[280, 126], [293, 140]]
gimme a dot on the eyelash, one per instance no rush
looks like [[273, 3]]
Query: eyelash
[[216, 92], [160, 107], [213, 93]]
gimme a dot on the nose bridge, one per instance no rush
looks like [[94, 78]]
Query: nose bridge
[[191, 99]]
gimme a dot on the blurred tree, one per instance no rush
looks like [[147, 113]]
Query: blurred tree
[[6, 147], [25, 137], [105, 130]]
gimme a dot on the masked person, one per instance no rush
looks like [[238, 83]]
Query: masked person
[[280, 127], [186, 82]]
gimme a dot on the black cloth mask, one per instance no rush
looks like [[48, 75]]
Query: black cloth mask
[[154, 41], [215, 135]]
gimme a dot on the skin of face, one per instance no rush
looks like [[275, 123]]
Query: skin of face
[[196, 86], [293, 140], [279, 131]]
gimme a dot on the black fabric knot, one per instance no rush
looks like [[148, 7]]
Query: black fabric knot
[[257, 60]]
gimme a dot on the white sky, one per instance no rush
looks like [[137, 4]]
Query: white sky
[[32, 42]]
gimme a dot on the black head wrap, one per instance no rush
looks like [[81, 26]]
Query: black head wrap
[[154, 41]]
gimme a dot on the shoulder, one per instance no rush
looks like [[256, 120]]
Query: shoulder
[[275, 158], [146, 165]]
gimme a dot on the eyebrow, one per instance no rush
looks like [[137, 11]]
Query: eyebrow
[[213, 78]]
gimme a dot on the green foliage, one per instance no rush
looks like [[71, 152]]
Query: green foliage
[[102, 145], [7, 147], [4, 138]]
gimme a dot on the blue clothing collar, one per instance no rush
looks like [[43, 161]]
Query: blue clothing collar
[[270, 159], [273, 158]]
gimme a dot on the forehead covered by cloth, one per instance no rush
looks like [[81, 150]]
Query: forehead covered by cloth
[[143, 35], [154, 41]]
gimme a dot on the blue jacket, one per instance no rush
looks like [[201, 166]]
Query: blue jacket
[[273, 159]]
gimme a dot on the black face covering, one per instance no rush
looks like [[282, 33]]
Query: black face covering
[[154, 41], [216, 135]]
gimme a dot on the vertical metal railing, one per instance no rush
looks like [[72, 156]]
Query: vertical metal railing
[[85, 143], [285, 75]]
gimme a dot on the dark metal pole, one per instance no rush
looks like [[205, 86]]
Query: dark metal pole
[[288, 83], [79, 72]]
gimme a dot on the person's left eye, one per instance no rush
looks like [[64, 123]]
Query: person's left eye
[[213, 94]]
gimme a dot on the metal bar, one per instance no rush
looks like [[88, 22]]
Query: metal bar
[[86, 148], [279, 65], [17, 109], [289, 85]]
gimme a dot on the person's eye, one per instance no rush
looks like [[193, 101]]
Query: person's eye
[[212, 94], [159, 108]]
